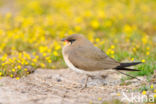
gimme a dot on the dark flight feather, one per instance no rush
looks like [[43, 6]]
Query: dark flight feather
[[128, 64], [124, 65], [126, 69]]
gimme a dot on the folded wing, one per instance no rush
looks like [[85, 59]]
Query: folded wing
[[94, 60]]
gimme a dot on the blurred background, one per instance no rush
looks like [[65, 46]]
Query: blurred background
[[31, 31]]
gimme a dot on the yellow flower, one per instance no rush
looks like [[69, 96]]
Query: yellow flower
[[144, 93], [47, 58], [143, 60], [34, 60], [102, 42], [17, 78], [112, 52], [33, 64], [155, 91], [77, 28], [107, 52], [145, 39], [127, 29], [78, 19], [4, 57], [18, 61], [147, 53], [22, 62], [3, 64], [1, 31], [154, 95], [26, 69], [57, 47], [42, 49], [0, 73], [97, 39], [134, 49], [49, 50], [95, 24], [8, 15], [13, 70], [34, 53], [112, 56], [152, 86], [19, 67], [42, 65], [88, 13], [99, 98], [26, 63], [55, 53], [49, 61], [44, 54], [147, 48], [118, 94], [132, 59], [100, 14], [108, 23], [11, 75], [112, 46]]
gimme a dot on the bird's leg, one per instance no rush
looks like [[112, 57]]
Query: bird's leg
[[86, 80], [85, 83]]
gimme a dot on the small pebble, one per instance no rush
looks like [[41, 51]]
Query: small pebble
[[59, 80]]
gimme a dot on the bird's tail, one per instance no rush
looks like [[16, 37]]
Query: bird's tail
[[128, 64], [127, 69], [123, 67]]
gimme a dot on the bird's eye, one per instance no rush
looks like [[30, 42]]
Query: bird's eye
[[72, 40]]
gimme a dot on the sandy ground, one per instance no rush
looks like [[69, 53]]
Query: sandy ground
[[61, 87]]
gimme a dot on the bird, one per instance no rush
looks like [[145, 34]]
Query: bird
[[82, 56]]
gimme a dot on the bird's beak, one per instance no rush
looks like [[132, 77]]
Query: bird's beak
[[63, 39]]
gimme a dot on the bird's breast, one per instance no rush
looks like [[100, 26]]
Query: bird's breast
[[71, 66]]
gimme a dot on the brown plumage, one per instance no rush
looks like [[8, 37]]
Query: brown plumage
[[81, 54], [85, 56]]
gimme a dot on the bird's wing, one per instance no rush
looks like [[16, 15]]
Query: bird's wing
[[94, 60]]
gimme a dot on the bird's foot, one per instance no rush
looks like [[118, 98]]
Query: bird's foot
[[84, 86]]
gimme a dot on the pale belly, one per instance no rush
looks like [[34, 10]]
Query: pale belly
[[71, 66]]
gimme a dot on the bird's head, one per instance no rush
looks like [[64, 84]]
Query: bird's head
[[73, 38]]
